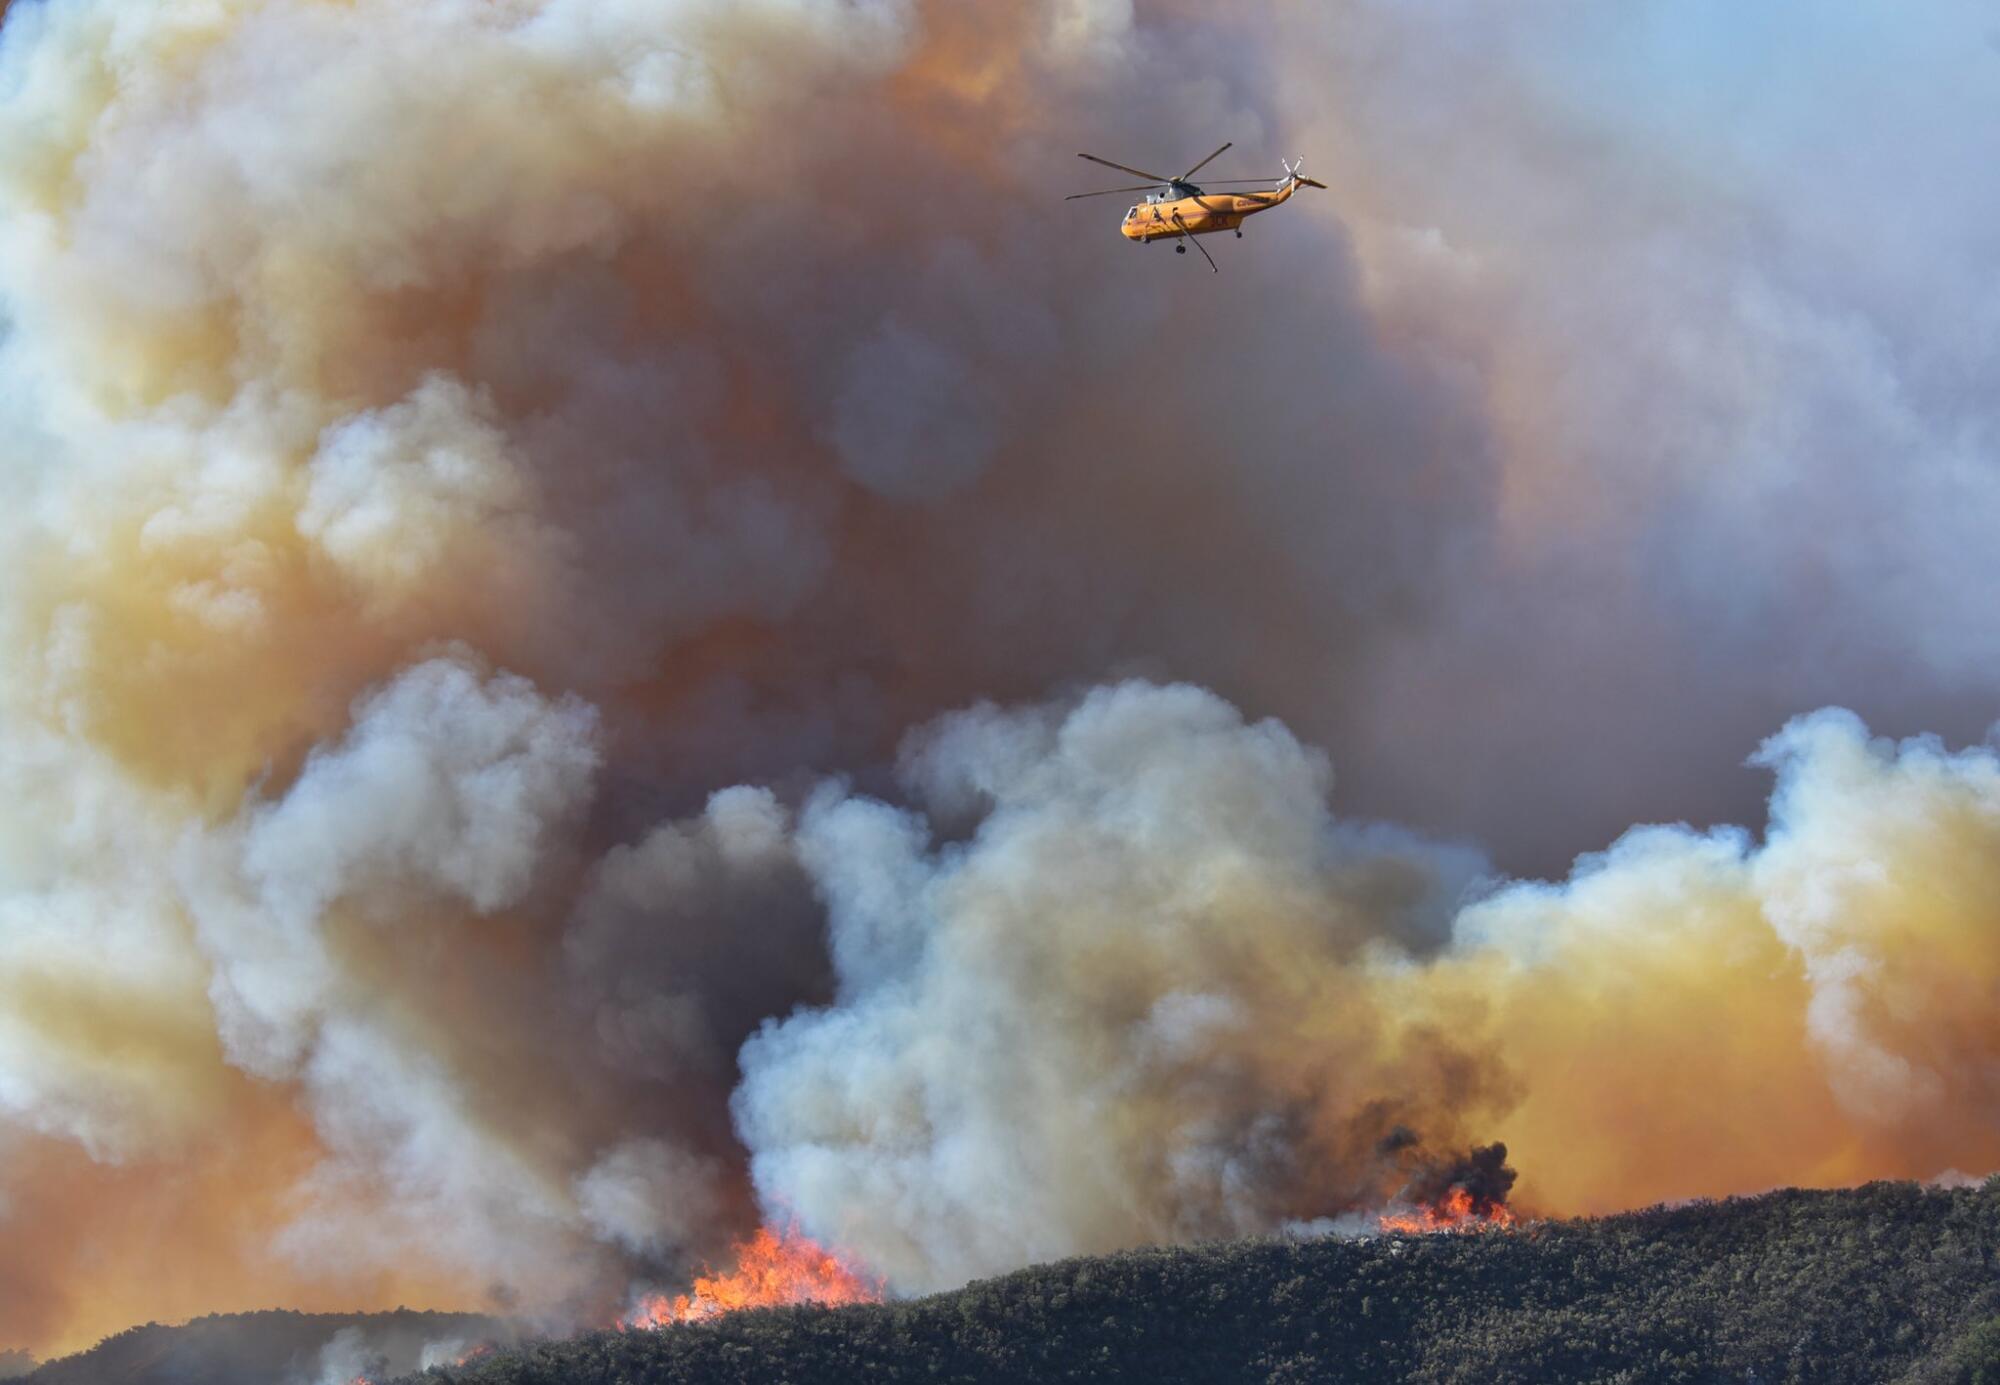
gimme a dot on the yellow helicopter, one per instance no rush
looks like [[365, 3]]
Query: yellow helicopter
[[1178, 207]]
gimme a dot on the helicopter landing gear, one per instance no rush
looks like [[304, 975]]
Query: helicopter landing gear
[[1180, 250], [1189, 235], [1239, 235]]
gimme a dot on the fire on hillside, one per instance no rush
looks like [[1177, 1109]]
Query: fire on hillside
[[773, 1269]]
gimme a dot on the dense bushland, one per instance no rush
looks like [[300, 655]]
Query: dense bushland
[[273, 1348], [1889, 1282]]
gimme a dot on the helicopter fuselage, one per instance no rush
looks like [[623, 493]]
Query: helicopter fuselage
[[1200, 213]]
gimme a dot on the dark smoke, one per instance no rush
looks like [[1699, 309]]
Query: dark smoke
[[1481, 1172]]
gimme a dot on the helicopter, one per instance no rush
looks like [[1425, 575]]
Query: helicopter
[[1178, 207]]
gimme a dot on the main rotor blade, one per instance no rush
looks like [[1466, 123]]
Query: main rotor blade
[[1124, 168], [1203, 164], [1143, 187]]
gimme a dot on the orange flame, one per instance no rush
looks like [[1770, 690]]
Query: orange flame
[[773, 1269], [1457, 1212]]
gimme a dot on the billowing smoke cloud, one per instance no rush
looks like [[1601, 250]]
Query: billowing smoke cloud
[[491, 484], [1160, 992], [1714, 275], [1135, 1006]]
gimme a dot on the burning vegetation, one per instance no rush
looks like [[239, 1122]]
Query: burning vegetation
[[774, 1269], [1457, 1211], [1463, 1194]]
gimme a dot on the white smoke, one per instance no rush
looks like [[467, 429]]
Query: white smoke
[[448, 1352], [1132, 1007], [347, 1357], [88, 941], [392, 492], [442, 805], [650, 1198], [449, 790], [1159, 992]]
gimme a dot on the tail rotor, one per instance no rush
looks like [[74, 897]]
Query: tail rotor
[[1292, 174]]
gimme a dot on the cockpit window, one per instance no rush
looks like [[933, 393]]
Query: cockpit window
[[1131, 212]]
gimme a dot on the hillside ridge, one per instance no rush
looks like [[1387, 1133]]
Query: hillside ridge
[[265, 1347], [1888, 1282]]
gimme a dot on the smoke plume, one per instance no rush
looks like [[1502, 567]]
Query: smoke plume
[[616, 626], [1481, 1174]]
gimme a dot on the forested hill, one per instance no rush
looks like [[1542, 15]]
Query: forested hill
[[273, 1348], [1885, 1283]]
